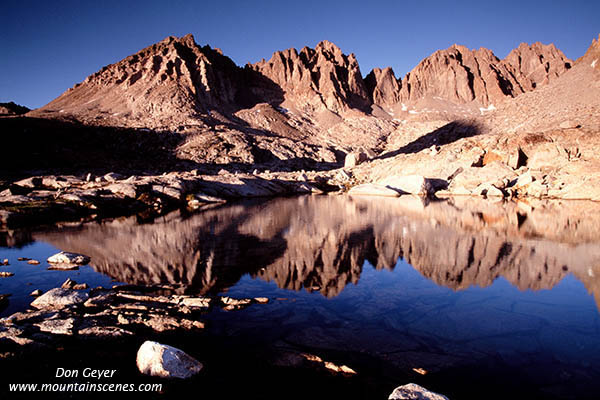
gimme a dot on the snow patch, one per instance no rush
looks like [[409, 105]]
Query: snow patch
[[413, 112], [594, 63], [404, 108], [490, 108], [61, 111]]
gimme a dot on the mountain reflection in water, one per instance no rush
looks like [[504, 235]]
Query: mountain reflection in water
[[322, 242]]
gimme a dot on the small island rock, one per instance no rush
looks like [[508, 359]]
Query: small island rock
[[68, 258]]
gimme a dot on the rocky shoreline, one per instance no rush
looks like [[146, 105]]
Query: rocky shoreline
[[93, 326]]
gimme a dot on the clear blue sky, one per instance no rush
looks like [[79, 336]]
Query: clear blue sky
[[48, 46]]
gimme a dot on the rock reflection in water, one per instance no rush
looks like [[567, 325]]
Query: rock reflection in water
[[321, 243]]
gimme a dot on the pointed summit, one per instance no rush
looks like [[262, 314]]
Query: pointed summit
[[383, 87], [317, 79], [536, 64], [326, 45], [167, 83], [592, 55], [461, 75]]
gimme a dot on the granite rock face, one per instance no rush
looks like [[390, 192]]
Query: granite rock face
[[164, 84], [322, 78], [383, 87], [537, 64], [461, 75]]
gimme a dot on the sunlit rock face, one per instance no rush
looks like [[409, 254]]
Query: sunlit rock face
[[320, 79], [322, 243], [462, 75], [167, 83]]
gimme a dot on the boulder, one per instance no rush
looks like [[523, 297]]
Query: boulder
[[471, 177], [413, 391], [372, 189], [57, 326], [30, 183], [170, 192], [196, 302], [204, 198], [56, 182], [122, 189], [517, 159], [524, 180], [164, 361], [412, 184], [354, 159], [68, 258], [112, 177], [59, 298], [68, 284], [537, 189], [569, 124], [489, 190]]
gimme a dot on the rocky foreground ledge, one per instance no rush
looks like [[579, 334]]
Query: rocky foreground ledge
[[109, 313], [80, 323]]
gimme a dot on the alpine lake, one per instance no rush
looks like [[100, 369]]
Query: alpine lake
[[468, 297]]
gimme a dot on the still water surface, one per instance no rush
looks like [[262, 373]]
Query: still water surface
[[500, 291]]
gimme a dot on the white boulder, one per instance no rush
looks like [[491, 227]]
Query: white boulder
[[164, 361], [68, 258], [413, 391], [354, 159]]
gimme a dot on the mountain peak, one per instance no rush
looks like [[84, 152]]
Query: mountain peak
[[592, 55], [169, 82], [321, 79], [326, 45], [383, 87]]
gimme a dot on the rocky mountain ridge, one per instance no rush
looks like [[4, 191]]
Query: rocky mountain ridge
[[12, 108], [317, 94], [311, 110]]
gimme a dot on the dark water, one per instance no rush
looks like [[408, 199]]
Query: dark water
[[500, 296]]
